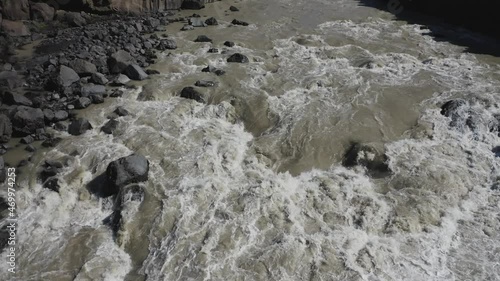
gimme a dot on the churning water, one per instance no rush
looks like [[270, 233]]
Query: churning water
[[250, 186]]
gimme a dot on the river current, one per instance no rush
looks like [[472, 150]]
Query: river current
[[251, 186]]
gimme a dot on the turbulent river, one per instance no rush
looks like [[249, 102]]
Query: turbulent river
[[251, 186]]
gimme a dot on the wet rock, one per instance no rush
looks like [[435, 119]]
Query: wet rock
[[196, 22], [30, 148], [124, 171], [187, 27], [5, 128], [120, 111], [110, 126], [97, 98], [116, 93], [191, 93], [213, 50], [202, 38], [26, 120], [92, 89], [211, 21], [14, 28], [79, 127], [52, 184], [204, 83], [229, 44], [99, 79], [193, 4], [10, 98], [152, 72], [454, 109], [239, 22], [51, 142], [121, 80], [239, 58], [119, 61], [135, 72], [82, 103], [167, 44], [83, 67], [233, 9], [367, 156], [27, 140], [42, 12]]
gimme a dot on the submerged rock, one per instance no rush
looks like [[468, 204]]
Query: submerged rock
[[191, 93], [369, 157], [79, 127], [110, 127], [202, 38], [239, 22], [124, 171], [238, 58]]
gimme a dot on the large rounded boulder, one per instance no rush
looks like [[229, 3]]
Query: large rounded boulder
[[126, 170]]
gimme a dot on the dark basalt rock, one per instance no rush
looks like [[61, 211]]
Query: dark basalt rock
[[229, 44], [120, 111], [110, 126], [233, 9], [167, 44], [202, 38], [119, 61], [369, 157], [211, 21], [239, 22], [191, 93], [124, 171], [193, 4], [204, 83], [135, 72], [27, 120], [79, 127], [239, 58]]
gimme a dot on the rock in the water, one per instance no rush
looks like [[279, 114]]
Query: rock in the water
[[196, 22], [27, 140], [204, 83], [187, 27], [135, 72], [453, 109], [26, 120], [120, 111], [97, 98], [193, 4], [92, 89], [167, 44], [99, 79], [367, 156], [5, 128], [211, 21], [83, 67], [124, 171], [121, 80], [191, 93], [15, 99], [110, 126], [67, 76], [238, 58], [202, 38], [152, 72], [213, 50], [79, 127], [229, 44], [233, 9], [119, 61], [42, 12], [82, 103], [239, 22]]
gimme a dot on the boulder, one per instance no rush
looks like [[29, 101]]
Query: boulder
[[75, 19], [119, 61], [42, 12], [97, 98], [66, 77], [191, 93], [10, 98], [368, 156], [61, 115], [196, 22], [233, 9], [120, 111], [202, 38], [14, 28], [15, 9], [239, 22], [92, 89], [110, 126], [83, 67], [121, 80], [124, 171], [27, 120], [99, 79], [187, 27], [5, 129], [211, 21], [82, 103], [167, 44], [79, 126], [10, 80], [229, 44], [193, 4], [238, 58], [135, 72]]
